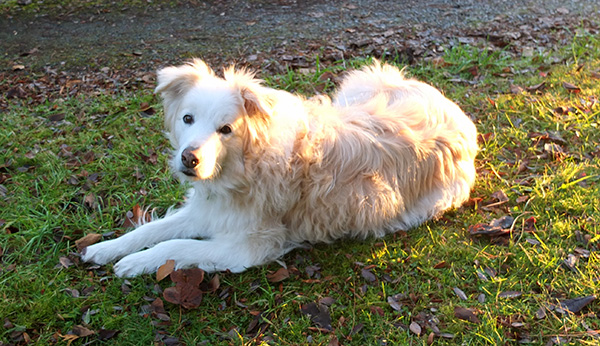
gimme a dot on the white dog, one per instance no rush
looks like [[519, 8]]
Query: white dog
[[271, 170]]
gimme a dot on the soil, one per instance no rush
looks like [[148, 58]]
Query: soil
[[272, 33]]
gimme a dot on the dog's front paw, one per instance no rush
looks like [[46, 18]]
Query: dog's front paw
[[137, 264], [101, 253]]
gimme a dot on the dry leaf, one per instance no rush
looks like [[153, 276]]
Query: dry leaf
[[415, 328], [187, 291], [573, 305], [466, 314], [510, 294], [460, 293], [368, 275], [280, 275], [571, 87], [318, 313], [165, 270], [88, 240]]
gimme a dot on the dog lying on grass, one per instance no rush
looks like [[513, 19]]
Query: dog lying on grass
[[270, 170]]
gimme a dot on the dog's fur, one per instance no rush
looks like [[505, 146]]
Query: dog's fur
[[386, 154]]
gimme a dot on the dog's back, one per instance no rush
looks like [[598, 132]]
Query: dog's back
[[390, 154]]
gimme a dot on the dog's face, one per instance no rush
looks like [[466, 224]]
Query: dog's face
[[211, 121]]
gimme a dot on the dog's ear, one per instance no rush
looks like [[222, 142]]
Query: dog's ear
[[173, 80]]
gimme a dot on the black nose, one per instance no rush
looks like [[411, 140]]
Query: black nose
[[188, 158]]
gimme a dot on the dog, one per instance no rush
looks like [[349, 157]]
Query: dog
[[271, 171]]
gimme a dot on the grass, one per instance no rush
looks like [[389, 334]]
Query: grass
[[64, 179]]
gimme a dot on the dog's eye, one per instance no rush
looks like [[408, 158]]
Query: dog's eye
[[188, 119], [225, 129]]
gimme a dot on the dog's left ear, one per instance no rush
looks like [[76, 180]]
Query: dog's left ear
[[255, 104]]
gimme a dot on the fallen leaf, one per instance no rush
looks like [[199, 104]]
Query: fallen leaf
[[165, 270], [460, 293], [212, 286], [65, 262], [415, 328], [537, 87], [106, 334], [441, 265], [540, 313], [87, 240], [500, 196], [56, 117], [280, 275], [571, 262], [571, 87], [318, 313], [510, 294], [368, 275], [465, 314], [394, 303], [574, 305], [186, 291], [515, 89], [137, 216], [82, 331]]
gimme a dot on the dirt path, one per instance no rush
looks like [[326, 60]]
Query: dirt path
[[137, 37]]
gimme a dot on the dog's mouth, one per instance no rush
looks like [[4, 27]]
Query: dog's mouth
[[189, 172]]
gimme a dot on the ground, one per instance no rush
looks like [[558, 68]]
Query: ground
[[84, 156], [144, 35]]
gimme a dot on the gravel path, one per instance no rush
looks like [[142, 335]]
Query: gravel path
[[234, 30]]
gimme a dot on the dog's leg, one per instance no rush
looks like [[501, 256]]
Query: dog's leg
[[224, 253], [185, 223]]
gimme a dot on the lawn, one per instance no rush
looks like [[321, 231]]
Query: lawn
[[519, 263]]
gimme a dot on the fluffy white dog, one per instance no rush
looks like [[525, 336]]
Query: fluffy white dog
[[271, 170]]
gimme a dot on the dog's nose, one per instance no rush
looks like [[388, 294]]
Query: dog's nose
[[188, 158]]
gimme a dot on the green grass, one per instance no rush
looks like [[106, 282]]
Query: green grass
[[83, 174]]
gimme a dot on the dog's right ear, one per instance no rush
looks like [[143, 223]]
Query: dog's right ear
[[173, 81]]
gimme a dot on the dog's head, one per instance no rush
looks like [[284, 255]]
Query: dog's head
[[211, 121]]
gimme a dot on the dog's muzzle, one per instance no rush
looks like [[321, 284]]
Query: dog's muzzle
[[189, 161], [188, 158]]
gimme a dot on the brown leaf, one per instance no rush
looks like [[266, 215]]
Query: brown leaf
[[136, 217], [65, 262], [430, 338], [165, 270], [441, 265], [187, 291], [368, 275], [460, 293], [510, 294], [571, 87], [574, 305], [87, 240], [376, 310], [538, 87], [106, 334], [56, 117], [280, 275], [394, 303], [595, 75], [82, 331], [465, 314], [500, 196], [318, 313], [515, 89], [415, 328], [213, 285]]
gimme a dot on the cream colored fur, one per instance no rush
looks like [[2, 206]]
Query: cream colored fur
[[386, 154]]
